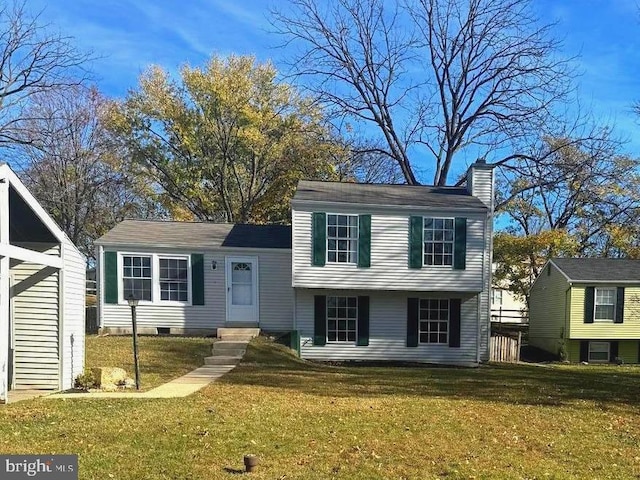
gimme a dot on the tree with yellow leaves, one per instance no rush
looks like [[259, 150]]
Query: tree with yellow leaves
[[224, 142]]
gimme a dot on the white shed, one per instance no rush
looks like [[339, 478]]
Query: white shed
[[42, 296]]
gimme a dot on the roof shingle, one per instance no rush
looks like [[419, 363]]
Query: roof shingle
[[394, 195], [152, 233], [599, 269]]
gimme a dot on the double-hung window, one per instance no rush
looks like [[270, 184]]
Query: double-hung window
[[439, 234], [342, 316], [136, 277], [342, 238], [433, 321], [599, 351], [174, 279], [605, 305]]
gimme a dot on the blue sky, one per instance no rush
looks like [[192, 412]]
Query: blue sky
[[130, 35]]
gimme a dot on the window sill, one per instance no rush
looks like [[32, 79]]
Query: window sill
[[142, 303]]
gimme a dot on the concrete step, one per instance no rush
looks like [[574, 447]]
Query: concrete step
[[223, 360], [237, 334], [226, 347]]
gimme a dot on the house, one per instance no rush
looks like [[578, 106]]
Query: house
[[42, 303], [365, 272], [587, 309], [506, 307], [394, 272], [193, 278]]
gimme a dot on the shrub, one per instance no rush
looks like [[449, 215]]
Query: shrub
[[86, 380]]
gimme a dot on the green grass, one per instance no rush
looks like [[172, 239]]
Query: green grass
[[319, 422], [161, 358]]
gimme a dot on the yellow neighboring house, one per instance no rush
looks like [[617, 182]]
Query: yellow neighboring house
[[587, 309]]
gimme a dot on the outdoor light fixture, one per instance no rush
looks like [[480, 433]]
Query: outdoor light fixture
[[214, 264], [133, 301]]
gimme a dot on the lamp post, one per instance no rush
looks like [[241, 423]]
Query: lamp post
[[133, 303]]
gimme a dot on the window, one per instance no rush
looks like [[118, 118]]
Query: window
[[342, 238], [496, 296], [598, 351], [342, 313], [434, 321], [438, 241], [605, 304], [136, 277], [174, 279], [155, 278]]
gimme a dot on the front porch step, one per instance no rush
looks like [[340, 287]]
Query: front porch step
[[237, 334], [223, 360], [227, 347]]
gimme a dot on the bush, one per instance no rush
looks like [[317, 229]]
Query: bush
[[86, 380]]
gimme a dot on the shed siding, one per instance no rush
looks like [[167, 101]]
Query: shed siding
[[35, 327], [389, 255], [388, 329], [629, 329], [275, 296], [547, 314], [73, 314]]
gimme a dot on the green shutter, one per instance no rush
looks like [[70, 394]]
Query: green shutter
[[319, 233], [589, 293], [454, 322], [320, 320], [619, 318], [197, 279], [460, 245], [363, 322], [412, 322], [416, 225], [584, 351], [613, 351], [364, 241], [110, 277]]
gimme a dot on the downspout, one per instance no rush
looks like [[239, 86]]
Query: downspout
[[61, 339]]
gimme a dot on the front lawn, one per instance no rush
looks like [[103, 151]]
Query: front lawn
[[161, 358], [319, 422]]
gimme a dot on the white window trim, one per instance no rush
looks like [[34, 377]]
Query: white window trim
[[595, 304], [599, 361], [357, 239], [342, 342], [441, 321], [453, 250], [155, 278]]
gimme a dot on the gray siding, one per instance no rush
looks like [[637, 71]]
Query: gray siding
[[275, 295], [389, 255], [35, 326], [73, 313], [388, 330], [548, 310]]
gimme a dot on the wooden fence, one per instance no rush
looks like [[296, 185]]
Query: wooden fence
[[503, 348]]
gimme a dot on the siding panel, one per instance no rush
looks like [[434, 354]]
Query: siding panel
[[35, 328], [387, 330], [275, 296], [389, 257], [72, 335]]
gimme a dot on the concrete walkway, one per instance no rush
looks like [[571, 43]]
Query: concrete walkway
[[180, 387]]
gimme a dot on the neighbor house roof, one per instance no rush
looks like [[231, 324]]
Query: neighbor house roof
[[383, 194], [620, 270], [154, 233]]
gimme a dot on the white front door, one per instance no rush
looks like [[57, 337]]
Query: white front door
[[242, 289]]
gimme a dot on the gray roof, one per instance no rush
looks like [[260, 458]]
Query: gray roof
[[382, 194], [152, 233], [600, 269]]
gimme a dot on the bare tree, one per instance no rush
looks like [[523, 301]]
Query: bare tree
[[69, 161], [33, 60], [443, 76]]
